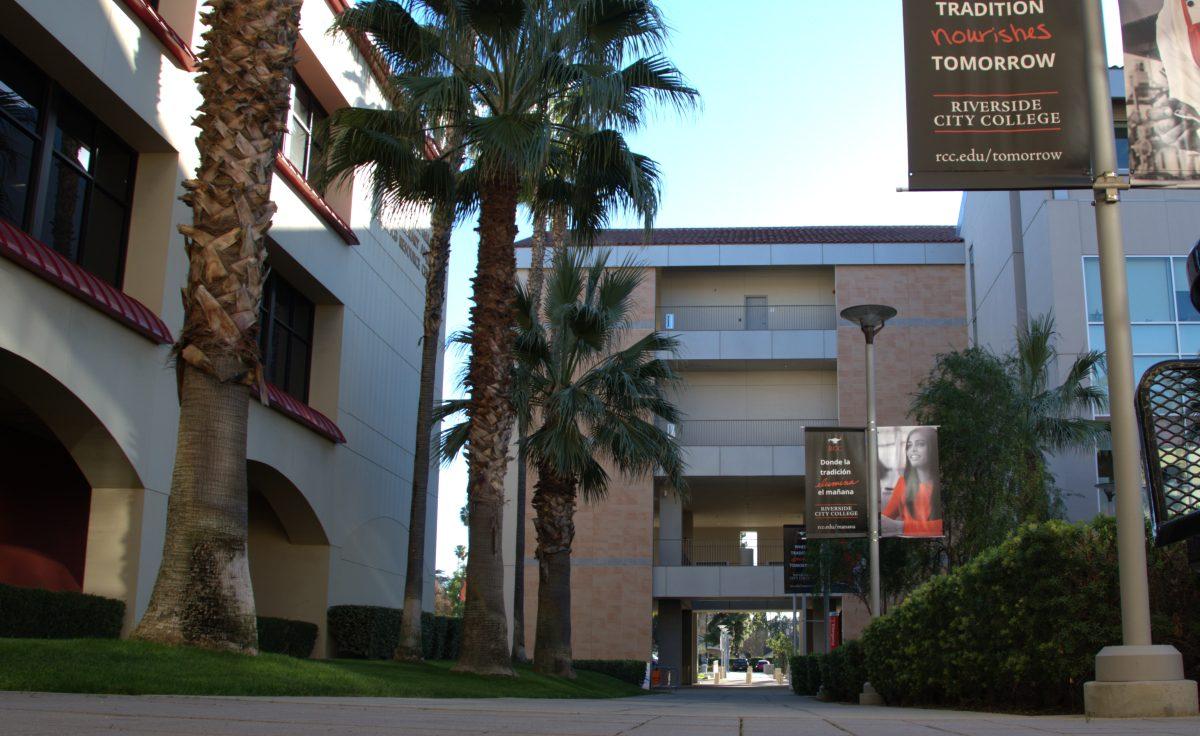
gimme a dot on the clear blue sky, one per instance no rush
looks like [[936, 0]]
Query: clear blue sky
[[802, 124]]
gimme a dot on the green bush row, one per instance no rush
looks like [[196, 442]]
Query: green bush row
[[30, 613], [806, 673], [632, 671], [373, 632], [1019, 626], [843, 672], [285, 636]]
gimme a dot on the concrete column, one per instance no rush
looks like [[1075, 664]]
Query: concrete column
[[671, 632], [688, 675], [670, 531], [114, 544]]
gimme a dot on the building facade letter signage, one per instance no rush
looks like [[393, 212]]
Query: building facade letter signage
[[996, 95], [835, 493]]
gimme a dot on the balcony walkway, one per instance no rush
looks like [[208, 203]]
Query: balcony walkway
[[696, 711]]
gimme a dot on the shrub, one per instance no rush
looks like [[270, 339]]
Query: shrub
[[364, 632], [798, 675], [285, 636], [806, 674], [31, 613], [843, 672], [1019, 627], [632, 671], [373, 632]]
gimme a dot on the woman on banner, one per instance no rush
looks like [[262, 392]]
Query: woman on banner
[[915, 504]]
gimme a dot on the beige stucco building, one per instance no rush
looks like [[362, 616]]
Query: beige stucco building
[[95, 120], [763, 355]]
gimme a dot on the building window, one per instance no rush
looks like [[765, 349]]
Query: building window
[[64, 176], [285, 336], [1122, 148], [304, 145], [1164, 322]]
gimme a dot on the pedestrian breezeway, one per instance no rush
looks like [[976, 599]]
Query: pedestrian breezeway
[[720, 712]]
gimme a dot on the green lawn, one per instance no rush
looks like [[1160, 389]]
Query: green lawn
[[138, 668]]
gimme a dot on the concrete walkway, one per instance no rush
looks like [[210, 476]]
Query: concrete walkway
[[689, 712]]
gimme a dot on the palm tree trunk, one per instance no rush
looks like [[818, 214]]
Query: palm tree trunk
[[537, 275], [558, 231], [436, 260], [554, 504], [485, 626], [202, 595]]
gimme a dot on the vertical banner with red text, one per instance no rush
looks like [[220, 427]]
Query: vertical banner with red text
[[835, 483], [996, 95]]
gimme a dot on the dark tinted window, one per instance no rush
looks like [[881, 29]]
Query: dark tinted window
[[83, 183], [285, 336], [304, 144]]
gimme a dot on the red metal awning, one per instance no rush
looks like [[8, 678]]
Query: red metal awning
[[43, 261], [297, 410]]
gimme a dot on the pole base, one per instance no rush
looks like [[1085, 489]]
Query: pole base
[[1145, 699], [868, 696], [1140, 682]]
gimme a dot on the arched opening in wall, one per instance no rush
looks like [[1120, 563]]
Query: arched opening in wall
[[288, 550], [45, 503], [70, 500]]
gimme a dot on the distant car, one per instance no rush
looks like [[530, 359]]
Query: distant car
[[761, 665], [738, 665]]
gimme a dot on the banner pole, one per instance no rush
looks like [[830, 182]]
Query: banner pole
[[1137, 678]]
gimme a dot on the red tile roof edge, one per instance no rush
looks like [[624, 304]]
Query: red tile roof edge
[[43, 261], [817, 234], [302, 413]]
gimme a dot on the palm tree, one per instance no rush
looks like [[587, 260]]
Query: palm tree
[[202, 595], [597, 402], [1057, 418], [406, 170], [594, 403], [528, 54]]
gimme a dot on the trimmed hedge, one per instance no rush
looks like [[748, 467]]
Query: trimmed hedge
[[1019, 627], [843, 672], [632, 671], [31, 613], [806, 673], [285, 636], [373, 632]]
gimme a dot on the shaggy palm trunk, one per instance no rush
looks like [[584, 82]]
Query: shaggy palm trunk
[[537, 275], [436, 258], [202, 595], [485, 626], [554, 504], [558, 231]]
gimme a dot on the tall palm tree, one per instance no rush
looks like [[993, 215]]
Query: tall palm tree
[[596, 403], [407, 169], [202, 595], [1057, 418], [529, 53]]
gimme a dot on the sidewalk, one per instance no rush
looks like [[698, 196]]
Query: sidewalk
[[688, 712]]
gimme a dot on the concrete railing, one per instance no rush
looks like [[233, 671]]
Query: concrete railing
[[749, 317], [744, 432]]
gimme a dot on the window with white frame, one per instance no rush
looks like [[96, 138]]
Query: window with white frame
[[303, 145], [1163, 322]]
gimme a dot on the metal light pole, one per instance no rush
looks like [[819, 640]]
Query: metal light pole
[[871, 319], [1137, 678]]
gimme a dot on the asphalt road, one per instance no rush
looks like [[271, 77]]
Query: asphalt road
[[758, 711]]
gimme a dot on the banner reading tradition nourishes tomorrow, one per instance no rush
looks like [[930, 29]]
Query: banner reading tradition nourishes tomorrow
[[996, 95]]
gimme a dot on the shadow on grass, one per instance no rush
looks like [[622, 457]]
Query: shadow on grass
[[139, 668]]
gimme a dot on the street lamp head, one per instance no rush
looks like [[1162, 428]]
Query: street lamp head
[[870, 317]]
